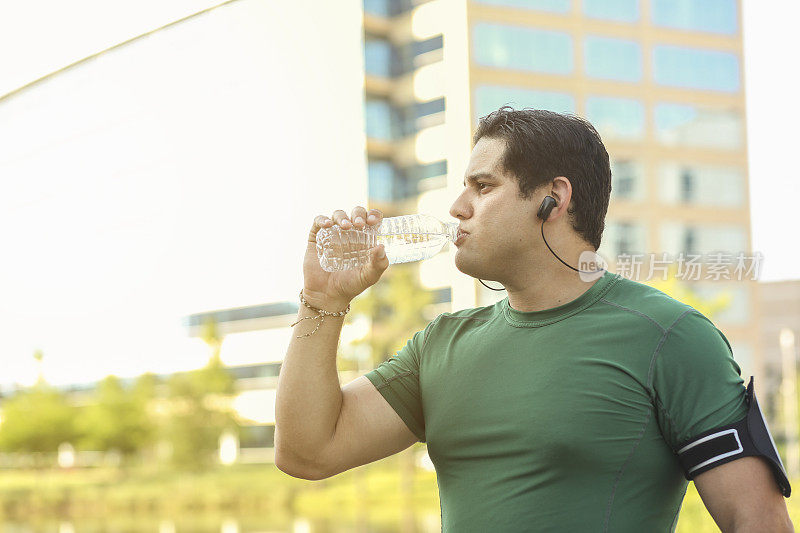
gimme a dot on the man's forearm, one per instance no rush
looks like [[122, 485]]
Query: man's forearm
[[309, 396], [777, 524]]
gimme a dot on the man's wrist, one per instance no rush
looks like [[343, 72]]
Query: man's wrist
[[324, 302]]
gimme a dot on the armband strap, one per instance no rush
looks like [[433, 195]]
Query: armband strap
[[749, 436]]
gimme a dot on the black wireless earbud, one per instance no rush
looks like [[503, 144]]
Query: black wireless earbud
[[544, 212], [547, 205]]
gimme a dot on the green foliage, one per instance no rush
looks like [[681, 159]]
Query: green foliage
[[683, 293], [117, 418], [190, 417], [199, 411], [396, 306], [144, 389], [37, 420]]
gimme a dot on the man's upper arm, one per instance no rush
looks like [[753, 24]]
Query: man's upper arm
[[698, 388], [368, 429], [696, 381], [742, 496], [381, 411]]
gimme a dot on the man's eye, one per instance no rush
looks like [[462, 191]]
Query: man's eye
[[482, 184]]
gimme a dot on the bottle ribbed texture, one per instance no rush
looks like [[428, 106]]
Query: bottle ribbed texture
[[406, 238]]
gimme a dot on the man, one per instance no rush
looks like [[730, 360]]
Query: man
[[560, 408]]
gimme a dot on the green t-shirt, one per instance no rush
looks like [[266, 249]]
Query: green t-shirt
[[564, 419]]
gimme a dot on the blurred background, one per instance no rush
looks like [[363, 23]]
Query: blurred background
[[161, 164]]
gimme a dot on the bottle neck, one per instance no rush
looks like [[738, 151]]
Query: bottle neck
[[452, 230]]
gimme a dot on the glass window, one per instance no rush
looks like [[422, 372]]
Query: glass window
[[686, 185], [616, 118], [378, 115], [687, 125], [627, 180], [677, 66], [723, 238], [404, 121], [742, 350], [715, 16], [388, 183], [381, 180], [412, 118], [405, 58], [619, 10], [517, 47], [428, 45], [612, 59], [428, 108], [702, 239], [737, 310], [382, 8], [701, 185], [377, 57], [429, 170], [489, 98], [622, 237], [555, 6]]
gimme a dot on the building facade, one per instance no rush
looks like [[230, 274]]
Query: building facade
[[662, 81]]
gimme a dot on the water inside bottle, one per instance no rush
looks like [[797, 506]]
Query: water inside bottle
[[340, 249], [407, 247]]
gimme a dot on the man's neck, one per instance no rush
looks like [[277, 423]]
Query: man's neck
[[549, 296], [549, 285]]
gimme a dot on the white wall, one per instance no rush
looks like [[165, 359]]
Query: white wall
[[175, 175]]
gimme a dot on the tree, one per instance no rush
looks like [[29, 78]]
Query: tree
[[683, 293], [200, 407], [37, 420], [396, 306], [117, 418]]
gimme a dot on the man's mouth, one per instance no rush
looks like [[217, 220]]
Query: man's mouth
[[460, 236]]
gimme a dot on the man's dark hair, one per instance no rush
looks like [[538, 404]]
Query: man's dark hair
[[541, 145]]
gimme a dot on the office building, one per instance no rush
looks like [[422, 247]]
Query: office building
[[663, 82]]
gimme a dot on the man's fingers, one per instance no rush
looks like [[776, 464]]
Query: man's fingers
[[340, 218], [374, 217], [359, 217], [320, 221], [378, 264]]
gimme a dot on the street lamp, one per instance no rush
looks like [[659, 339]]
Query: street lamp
[[789, 394]]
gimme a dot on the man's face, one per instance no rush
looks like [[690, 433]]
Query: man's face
[[502, 227]]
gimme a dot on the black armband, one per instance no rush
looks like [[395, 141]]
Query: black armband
[[749, 436]]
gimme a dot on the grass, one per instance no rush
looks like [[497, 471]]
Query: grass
[[144, 495]]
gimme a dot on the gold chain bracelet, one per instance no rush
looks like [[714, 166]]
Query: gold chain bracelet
[[322, 314]]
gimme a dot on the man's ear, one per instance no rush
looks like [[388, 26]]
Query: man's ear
[[561, 190]]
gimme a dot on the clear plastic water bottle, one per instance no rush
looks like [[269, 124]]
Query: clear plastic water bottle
[[406, 238]]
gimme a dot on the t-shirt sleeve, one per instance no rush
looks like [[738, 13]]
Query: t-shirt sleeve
[[398, 382], [696, 381]]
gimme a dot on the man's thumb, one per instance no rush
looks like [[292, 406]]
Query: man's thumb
[[377, 265]]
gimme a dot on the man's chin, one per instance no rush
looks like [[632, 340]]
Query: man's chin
[[468, 268]]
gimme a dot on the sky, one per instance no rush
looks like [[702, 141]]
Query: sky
[[216, 174]]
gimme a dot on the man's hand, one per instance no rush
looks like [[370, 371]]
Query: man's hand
[[332, 291]]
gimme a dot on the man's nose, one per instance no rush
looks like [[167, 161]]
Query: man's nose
[[459, 209]]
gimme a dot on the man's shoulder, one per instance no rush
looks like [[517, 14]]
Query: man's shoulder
[[649, 303]]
